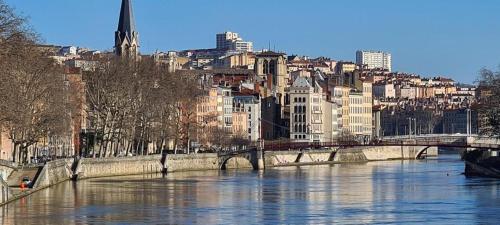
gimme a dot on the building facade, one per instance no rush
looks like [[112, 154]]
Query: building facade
[[307, 120], [251, 105], [374, 59], [231, 41]]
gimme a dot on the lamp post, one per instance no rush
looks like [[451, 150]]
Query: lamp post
[[415, 127], [469, 122], [412, 129], [409, 127]]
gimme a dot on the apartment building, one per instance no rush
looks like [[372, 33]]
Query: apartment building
[[374, 59], [250, 104], [306, 111]]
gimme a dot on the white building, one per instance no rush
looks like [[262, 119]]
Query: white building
[[242, 46], [406, 92], [251, 105], [307, 103], [68, 50], [231, 41], [384, 90], [374, 59], [337, 99], [225, 108]]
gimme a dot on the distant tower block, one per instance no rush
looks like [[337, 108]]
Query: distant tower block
[[126, 37]]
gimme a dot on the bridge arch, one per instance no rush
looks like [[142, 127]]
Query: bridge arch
[[422, 153], [248, 157], [245, 158]]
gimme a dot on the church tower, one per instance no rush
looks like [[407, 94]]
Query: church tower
[[126, 37]]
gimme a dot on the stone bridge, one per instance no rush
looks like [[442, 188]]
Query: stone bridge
[[417, 145], [253, 155]]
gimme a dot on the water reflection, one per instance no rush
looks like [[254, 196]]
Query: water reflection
[[416, 192]]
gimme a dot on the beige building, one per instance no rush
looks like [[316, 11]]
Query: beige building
[[171, 60], [271, 67], [367, 116], [207, 114], [240, 124], [345, 67], [345, 107], [245, 60], [406, 91], [5, 146], [356, 113]]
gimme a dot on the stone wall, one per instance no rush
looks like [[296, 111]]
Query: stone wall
[[6, 168], [5, 192], [388, 152], [53, 172], [238, 163], [350, 155], [106, 167], [280, 158], [315, 157], [358, 154], [192, 162]]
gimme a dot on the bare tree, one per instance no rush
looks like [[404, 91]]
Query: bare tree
[[489, 86], [32, 92], [136, 107], [220, 138], [14, 32]]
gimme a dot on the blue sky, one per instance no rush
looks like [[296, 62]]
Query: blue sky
[[454, 38]]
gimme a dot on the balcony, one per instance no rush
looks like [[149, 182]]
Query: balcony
[[317, 121]]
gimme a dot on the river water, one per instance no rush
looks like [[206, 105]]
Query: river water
[[398, 192]]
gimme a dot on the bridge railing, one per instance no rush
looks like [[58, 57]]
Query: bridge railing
[[439, 142], [289, 145]]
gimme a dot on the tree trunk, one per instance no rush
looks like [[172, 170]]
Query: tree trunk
[[14, 152]]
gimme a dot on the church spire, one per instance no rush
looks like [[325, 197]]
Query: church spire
[[126, 36]]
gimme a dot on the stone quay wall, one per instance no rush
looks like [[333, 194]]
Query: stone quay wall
[[379, 153], [106, 167], [53, 172], [5, 192], [192, 162], [358, 154], [6, 168]]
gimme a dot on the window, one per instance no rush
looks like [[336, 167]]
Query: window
[[265, 67]]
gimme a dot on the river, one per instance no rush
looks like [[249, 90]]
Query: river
[[398, 192]]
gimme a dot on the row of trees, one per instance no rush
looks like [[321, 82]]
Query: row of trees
[[137, 106], [33, 95]]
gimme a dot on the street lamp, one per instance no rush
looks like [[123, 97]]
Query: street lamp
[[410, 129], [469, 122]]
